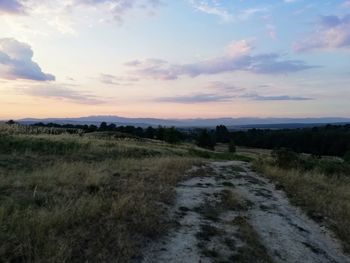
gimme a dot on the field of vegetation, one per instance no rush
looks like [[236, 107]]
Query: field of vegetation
[[320, 186], [75, 194], [68, 196]]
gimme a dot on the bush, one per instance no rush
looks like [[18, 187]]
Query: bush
[[329, 167], [232, 147], [347, 157], [206, 140], [172, 136], [285, 158]]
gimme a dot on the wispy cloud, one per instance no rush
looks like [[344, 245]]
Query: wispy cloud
[[258, 97], [217, 97], [16, 62], [212, 7], [110, 79], [219, 86], [61, 15], [238, 58], [218, 8], [196, 98], [332, 32], [120, 8], [61, 92]]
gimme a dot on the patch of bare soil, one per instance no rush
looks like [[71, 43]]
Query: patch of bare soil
[[232, 214]]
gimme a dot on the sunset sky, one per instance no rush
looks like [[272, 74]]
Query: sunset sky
[[174, 58]]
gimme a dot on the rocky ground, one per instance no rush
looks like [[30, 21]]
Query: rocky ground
[[232, 214]]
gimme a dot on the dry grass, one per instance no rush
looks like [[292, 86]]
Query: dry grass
[[232, 201], [25, 129], [79, 211], [71, 198], [252, 250], [76, 198], [325, 198]]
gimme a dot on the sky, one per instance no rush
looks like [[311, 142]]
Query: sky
[[174, 58]]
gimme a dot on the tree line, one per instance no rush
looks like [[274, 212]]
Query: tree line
[[331, 140]]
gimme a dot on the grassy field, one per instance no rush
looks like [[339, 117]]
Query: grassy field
[[72, 197], [322, 190]]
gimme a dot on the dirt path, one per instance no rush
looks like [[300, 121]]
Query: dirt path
[[234, 215]]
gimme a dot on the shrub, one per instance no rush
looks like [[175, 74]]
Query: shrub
[[285, 158], [329, 167], [206, 140], [171, 135], [232, 147], [347, 157]]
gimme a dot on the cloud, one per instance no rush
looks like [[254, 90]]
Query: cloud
[[16, 62], [332, 32], [346, 3], [114, 80], [212, 7], [223, 87], [240, 48], [275, 98], [60, 92], [61, 15], [120, 8], [239, 57], [11, 7], [195, 98], [217, 97], [216, 8]]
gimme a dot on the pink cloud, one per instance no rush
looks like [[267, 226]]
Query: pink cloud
[[332, 32], [239, 57]]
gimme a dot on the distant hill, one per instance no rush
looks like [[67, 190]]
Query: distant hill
[[230, 122]]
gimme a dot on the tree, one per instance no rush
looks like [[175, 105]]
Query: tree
[[150, 133], [171, 135], [206, 140], [92, 128], [111, 127], [103, 126], [222, 134], [232, 146], [10, 122], [160, 133]]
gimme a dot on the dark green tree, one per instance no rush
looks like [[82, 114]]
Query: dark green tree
[[111, 127], [10, 122], [206, 140], [150, 133], [160, 133], [172, 135], [222, 134], [103, 126]]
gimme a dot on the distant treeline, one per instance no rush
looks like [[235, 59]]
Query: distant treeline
[[327, 140], [171, 135]]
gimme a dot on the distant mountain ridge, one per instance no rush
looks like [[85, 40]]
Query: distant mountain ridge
[[195, 122]]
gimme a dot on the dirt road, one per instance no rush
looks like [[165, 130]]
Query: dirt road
[[232, 214]]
